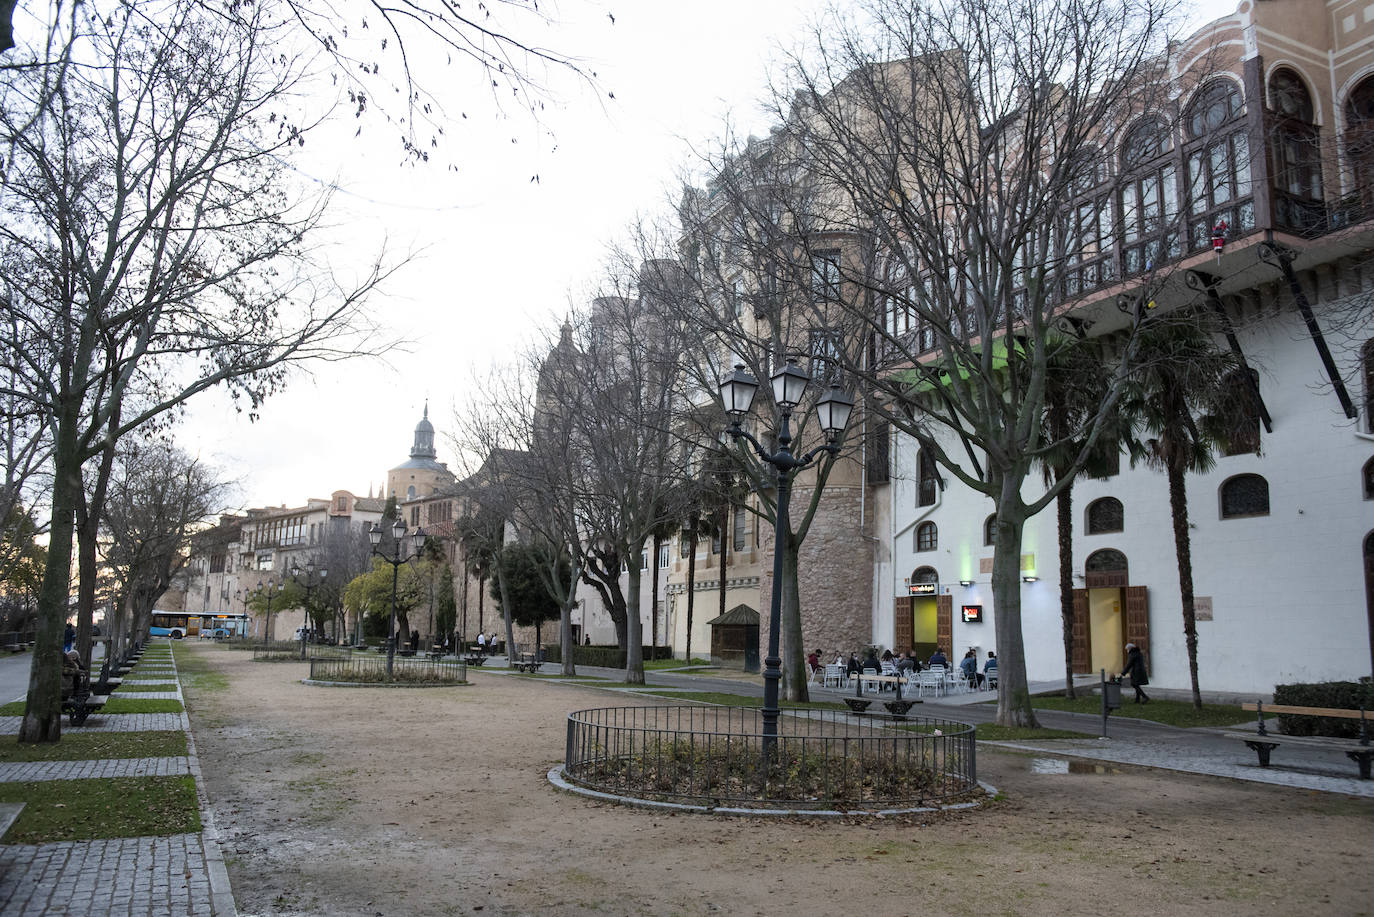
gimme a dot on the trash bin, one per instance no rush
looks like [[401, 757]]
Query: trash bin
[[1111, 694]]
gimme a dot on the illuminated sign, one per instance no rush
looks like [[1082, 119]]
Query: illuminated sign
[[925, 588], [973, 614]]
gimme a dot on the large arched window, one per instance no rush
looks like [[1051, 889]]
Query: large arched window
[[1296, 151], [1359, 139], [1106, 569], [1149, 197], [1217, 165], [1244, 495], [927, 537], [1105, 515]]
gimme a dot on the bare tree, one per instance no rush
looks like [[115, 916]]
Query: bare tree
[[158, 497], [933, 202], [153, 249]]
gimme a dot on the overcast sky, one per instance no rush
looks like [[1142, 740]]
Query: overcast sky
[[500, 255]]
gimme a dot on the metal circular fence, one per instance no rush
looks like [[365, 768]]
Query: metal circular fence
[[821, 759], [372, 670]]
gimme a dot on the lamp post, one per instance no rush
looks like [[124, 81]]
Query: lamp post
[[395, 558], [310, 582], [832, 410]]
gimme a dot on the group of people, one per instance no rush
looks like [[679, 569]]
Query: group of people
[[486, 643], [907, 663]]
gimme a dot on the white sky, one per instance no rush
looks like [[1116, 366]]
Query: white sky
[[502, 255]]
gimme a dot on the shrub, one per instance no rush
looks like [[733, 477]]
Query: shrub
[[1341, 695]]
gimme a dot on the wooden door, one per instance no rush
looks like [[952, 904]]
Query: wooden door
[[1082, 635], [1137, 624], [944, 624], [901, 619]]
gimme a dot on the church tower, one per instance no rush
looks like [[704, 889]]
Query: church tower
[[423, 474]]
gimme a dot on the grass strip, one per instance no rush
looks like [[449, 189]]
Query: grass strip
[[674, 663], [991, 732], [723, 699], [195, 672], [77, 810], [148, 686], [91, 746], [1170, 712]]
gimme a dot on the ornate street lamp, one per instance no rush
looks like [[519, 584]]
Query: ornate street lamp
[[832, 410], [396, 558], [310, 582]]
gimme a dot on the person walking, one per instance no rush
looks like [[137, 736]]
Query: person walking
[[481, 644], [1135, 669]]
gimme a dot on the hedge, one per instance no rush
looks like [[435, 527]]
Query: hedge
[[610, 657], [1341, 695]]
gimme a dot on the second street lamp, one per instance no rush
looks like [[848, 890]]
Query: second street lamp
[[395, 558], [310, 582], [832, 410]]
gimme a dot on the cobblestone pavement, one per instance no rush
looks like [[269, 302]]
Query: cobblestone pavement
[[110, 722], [175, 876], [24, 771], [135, 875]]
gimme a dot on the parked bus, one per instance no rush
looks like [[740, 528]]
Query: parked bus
[[174, 624], [221, 626]]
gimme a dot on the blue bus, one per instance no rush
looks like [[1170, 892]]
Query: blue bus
[[174, 624]]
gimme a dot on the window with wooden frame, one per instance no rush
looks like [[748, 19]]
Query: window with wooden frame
[[927, 537], [1217, 165], [1243, 496]]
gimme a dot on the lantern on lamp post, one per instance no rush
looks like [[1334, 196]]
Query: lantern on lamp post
[[789, 386], [395, 557]]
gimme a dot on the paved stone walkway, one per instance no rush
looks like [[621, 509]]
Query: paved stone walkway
[[137, 875], [110, 722], [175, 876], [24, 771]]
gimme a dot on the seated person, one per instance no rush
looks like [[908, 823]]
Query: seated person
[[938, 658], [969, 666], [871, 660], [813, 661], [853, 667], [907, 663], [990, 667]]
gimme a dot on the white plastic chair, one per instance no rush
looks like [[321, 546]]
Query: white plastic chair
[[992, 679], [870, 686], [929, 678], [834, 675]]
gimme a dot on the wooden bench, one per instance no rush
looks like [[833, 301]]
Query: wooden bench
[[436, 653], [77, 699], [527, 663], [1262, 742]]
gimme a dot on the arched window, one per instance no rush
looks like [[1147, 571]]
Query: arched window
[[1359, 139], [925, 575], [1217, 165], [1149, 197], [990, 530], [1106, 515], [927, 538], [1296, 154], [1244, 495], [1106, 569], [410, 492], [1369, 479]]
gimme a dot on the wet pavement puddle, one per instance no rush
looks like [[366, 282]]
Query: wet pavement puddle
[[1066, 766]]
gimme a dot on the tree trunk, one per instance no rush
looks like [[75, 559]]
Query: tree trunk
[[565, 637], [43, 710], [691, 586], [794, 666], [1178, 508], [506, 608], [634, 649], [1063, 505], [653, 622], [1013, 698]]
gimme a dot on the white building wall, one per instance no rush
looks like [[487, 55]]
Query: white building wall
[[1288, 589]]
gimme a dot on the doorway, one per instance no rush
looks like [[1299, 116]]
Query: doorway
[[1107, 614]]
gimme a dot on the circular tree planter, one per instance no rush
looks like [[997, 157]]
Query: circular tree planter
[[706, 758]]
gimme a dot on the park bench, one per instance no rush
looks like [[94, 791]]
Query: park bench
[[896, 708], [435, 653], [77, 699], [475, 659], [527, 663], [1262, 742]]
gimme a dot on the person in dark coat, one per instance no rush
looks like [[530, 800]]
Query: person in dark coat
[[1135, 670]]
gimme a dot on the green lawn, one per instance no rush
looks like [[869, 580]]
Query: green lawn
[[196, 672], [1170, 712], [73, 810], [88, 746], [674, 663], [146, 686]]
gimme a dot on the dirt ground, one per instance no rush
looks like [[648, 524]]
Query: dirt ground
[[372, 801]]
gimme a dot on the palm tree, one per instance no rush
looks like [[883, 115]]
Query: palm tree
[[1076, 380], [1179, 407]]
